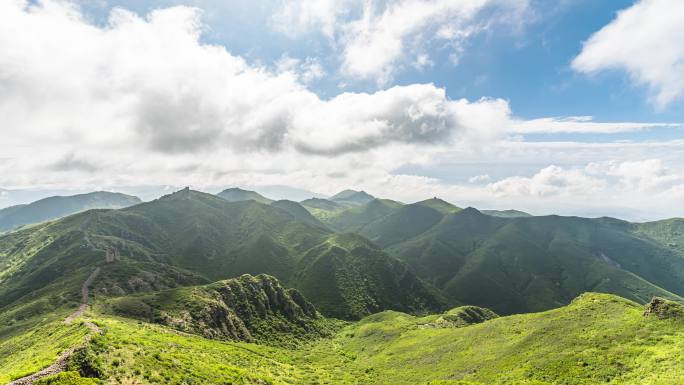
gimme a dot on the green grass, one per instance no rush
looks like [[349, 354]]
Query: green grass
[[146, 354], [67, 378], [27, 350], [246, 308], [598, 338]]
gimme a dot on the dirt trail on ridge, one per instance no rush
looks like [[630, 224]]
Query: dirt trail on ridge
[[61, 364]]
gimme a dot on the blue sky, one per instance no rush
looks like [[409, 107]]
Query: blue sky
[[530, 67], [570, 107]]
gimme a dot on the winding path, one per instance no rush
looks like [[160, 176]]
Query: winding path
[[61, 364], [85, 290]]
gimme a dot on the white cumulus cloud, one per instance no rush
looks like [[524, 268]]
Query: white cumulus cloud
[[647, 41], [149, 82], [375, 37]]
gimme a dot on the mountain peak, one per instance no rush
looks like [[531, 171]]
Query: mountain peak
[[439, 205], [352, 196], [471, 210], [182, 193], [236, 194]]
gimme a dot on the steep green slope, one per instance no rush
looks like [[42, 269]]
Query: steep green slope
[[238, 195], [185, 238], [440, 205], [402, 223], [140, 353], [348, 277], [322, 204], [352, 197], [669, 232], [299, 212], [381, 218], [355, 218], [60, 206], [537, 263], [513, 262], [246, 308], [323, 209]]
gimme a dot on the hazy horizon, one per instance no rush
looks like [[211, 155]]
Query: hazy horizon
[[277, 192]]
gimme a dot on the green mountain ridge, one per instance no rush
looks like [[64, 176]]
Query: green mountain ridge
[[352, 197], [235, 194], [506, 213], [299, 212], [60, 206], [246, 308], [513, 262], [190, 238]]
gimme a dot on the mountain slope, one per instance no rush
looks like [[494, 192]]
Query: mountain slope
[[182, 239], [440, 205], [401, 224], [537, 263], [668, 233], [246, 308], [597, 338], [352, 197], [506, 213], [298, 211], [350, 277], [355, 218], [60, 206], [238, 195]]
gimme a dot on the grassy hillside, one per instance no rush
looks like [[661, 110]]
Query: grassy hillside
[[299, 212], [349, 277], [598, 338], [61, 206], [246, 309], [514, 262], [669, 232], [537, 263], [355, 218], [440, 205], [135, 353], [182, 239], [24, 351], [403, 223]]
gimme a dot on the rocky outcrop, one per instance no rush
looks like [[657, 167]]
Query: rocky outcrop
[[246, 308], [664, 309], [460, 317]]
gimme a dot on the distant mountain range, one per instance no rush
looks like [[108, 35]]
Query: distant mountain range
[[190, 237], [508, 261], [60, 206], [513, 262]]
